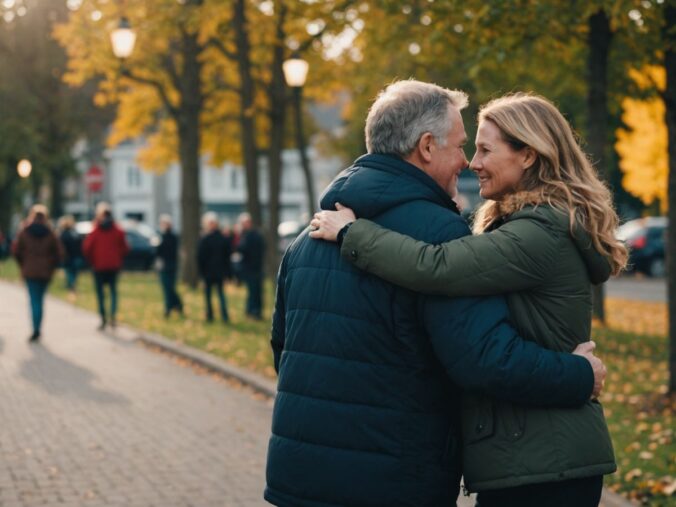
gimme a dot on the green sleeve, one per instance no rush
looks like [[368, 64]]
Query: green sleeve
[[517, 256]]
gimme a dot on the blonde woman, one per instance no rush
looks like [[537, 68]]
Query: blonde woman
[[543, 236]]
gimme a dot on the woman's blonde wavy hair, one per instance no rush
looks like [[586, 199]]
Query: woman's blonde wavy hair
[[561, 175]]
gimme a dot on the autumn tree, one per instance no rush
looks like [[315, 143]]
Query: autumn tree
[[39, 108], [642, 144], [263, 93], [669, 96], [167, 90]]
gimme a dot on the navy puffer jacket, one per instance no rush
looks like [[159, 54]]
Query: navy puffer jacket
[[370, 374]]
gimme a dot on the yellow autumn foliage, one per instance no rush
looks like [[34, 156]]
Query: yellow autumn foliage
[[642, 147]]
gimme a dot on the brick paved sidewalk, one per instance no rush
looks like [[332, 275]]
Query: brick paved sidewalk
[[90, 420]]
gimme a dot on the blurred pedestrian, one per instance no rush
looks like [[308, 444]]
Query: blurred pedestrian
[[213, 261], [167, 260], [105, 248], [38, 252], [228, 232], [3, 245], [252, 248], [72, 244]]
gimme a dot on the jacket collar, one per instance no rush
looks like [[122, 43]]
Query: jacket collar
[[519, 200], [378, 182]]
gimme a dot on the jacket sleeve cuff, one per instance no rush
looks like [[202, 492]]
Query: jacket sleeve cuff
[[582, 376], [356, 242]]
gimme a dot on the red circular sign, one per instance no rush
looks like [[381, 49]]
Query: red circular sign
[[94, 179]]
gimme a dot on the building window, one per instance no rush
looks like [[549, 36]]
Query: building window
[[234, 177], [216, 178], [133, 177]]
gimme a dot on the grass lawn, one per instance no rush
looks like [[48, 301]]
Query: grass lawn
[[634, 347]]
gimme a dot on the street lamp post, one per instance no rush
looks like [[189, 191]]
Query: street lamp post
[[184, 64], [24, 168], [295, 74], [123, 39]]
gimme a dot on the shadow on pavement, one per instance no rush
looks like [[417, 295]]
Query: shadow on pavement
[[60, 377]]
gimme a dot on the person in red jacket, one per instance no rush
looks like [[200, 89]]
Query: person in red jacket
[[105, 248]]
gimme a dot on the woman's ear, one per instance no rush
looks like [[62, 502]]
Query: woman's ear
[[529, 157]]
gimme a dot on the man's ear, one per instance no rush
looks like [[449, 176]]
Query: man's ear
[[426, 146]]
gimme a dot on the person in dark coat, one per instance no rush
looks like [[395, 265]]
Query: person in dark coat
[[105, 249], [38, 252], [167, 255], [3, 245], [251, 246], [213, 261], [72, 244], [367, 411]]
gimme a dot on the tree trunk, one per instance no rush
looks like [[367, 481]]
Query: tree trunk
[[188, 119], [7, 199], [599, 39], [57, 177], [191, 205], [277, 96], [670, 103], [302, 150], [247, 113]]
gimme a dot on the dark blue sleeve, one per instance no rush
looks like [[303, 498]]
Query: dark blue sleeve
[[279, 315], [481, 351]]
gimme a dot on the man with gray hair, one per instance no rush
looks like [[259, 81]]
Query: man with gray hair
[[367, 410], [251, 246], [213, 261], [167, 257]]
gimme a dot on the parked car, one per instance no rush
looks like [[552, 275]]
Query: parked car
[[645, 238], [142, 239]]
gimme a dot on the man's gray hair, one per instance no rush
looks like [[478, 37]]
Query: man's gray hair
[[406, 110], [209, 218]]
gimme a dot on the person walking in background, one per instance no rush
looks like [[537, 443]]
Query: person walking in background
[[105, 248], [38, 252], [251, 246], [167, 256], [72, 244], [213, 262], [3, 245]]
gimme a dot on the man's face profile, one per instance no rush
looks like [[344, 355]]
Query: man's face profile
[[449, 160]]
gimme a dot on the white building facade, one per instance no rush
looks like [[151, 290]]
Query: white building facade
[[144, 195]]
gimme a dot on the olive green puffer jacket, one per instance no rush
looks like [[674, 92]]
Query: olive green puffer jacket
[[529, 255]]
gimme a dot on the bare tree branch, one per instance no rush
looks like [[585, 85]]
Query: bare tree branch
[[155, 84], [218, 44], [227, 118]]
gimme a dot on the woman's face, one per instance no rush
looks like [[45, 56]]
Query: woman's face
[[498, 166]]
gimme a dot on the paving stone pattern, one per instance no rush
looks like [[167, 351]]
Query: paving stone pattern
[[87, 419]]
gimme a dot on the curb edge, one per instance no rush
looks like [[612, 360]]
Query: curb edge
[[256, 382]]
